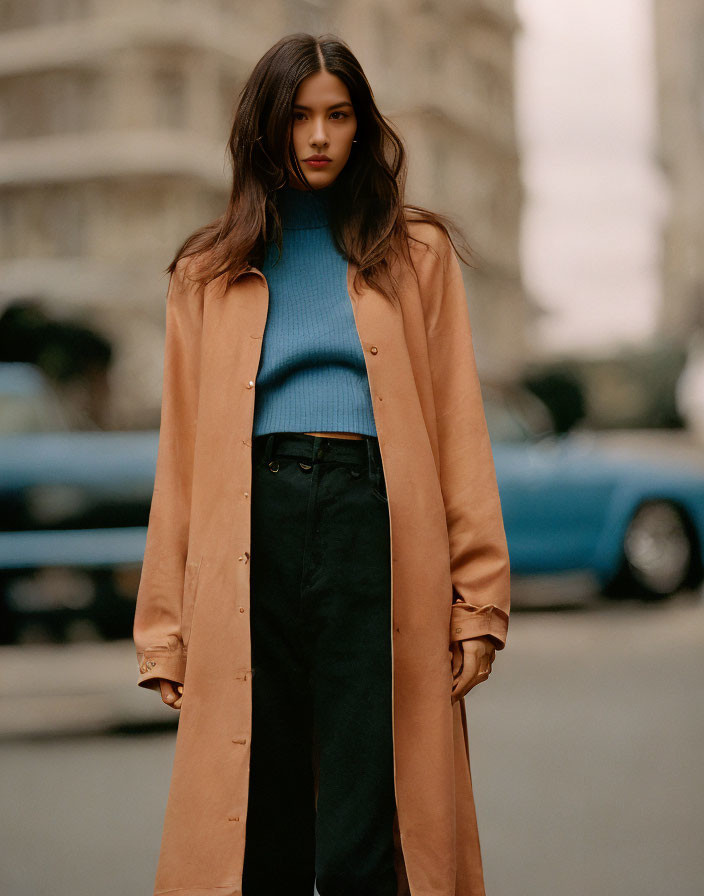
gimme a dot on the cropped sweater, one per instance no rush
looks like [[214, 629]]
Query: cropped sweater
[[312, 375]]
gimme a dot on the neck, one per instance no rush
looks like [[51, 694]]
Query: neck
[[304, 209]]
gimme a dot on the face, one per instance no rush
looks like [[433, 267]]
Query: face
[[323, 122]]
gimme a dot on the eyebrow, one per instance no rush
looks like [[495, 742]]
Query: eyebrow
[[334, 106]]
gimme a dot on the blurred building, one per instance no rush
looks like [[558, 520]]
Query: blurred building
[[679, 32], [113, 125]]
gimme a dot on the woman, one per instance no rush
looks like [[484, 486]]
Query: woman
[[320, 395]]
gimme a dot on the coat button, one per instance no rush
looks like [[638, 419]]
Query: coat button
[[250, 384], [373, 349], [241, 609]]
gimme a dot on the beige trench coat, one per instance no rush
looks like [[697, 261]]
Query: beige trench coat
[[447, 538]]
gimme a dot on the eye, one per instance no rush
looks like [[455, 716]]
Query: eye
[[295, 114], [343, 114]]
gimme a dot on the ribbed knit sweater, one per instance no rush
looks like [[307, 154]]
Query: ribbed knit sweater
[[312, 376]]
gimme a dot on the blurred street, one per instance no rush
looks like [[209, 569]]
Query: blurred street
[[586, 758], [567, 159]]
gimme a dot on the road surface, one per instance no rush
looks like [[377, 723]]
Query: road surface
[[586, 743]]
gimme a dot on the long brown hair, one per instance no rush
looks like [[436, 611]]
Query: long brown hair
[[368, 213]]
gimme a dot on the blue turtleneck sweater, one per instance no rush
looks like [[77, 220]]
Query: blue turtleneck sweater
[[312, 376]]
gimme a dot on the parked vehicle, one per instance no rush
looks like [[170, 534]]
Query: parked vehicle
[[74, 508], [74, 513], [633, 526]]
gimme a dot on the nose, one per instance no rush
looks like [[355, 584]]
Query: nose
[[319, 136]]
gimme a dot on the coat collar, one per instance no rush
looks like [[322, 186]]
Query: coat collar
[[250, 270], [352, 269]]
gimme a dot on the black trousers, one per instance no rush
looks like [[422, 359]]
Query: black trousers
[[321, 659]]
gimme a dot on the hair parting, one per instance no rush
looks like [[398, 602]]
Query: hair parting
[[369, 215]]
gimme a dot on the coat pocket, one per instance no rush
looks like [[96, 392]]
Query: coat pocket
[[190, 588]]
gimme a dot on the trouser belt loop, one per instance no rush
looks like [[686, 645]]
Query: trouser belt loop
[[269, 447]]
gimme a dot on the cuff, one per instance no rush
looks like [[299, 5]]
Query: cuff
[[155, 663], [488, 621]]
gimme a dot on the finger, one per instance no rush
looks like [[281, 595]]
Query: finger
[[457, 659], [167, 691], [465, 683], [468, 681], [457, 688], [465, 670], [475, 668], [458, 691]]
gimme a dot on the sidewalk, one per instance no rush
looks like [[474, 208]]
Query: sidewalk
[[49, 690], [79, 688]]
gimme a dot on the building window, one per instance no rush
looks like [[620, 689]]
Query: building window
[[66, 222], [50, 12], [169, 97], [8, 225]]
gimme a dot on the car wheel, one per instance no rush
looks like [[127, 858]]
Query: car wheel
[[657, 550]]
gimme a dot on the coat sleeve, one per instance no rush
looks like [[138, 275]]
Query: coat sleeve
[[157, 620], [478, 548]]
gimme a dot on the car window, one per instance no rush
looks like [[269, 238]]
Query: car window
[[503, 426], [516, 415], [27, 402]]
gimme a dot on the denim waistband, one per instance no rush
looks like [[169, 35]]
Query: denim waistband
[[318, 449]]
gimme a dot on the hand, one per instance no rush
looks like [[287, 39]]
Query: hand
[[171, 692], [471, 664]]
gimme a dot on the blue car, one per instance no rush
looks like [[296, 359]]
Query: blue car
[[74, 508], [632, 526]]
